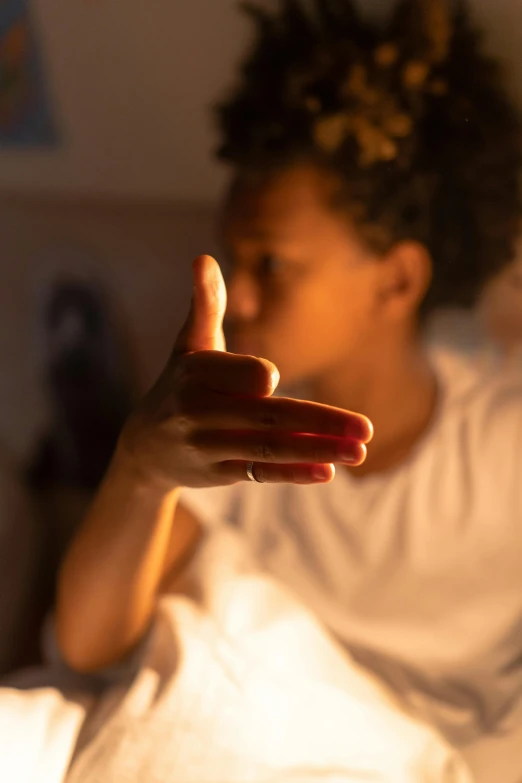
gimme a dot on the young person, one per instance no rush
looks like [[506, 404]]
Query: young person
[[375, 178]]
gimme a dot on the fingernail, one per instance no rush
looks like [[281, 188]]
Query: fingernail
[[275, 377], [321, 472], [348, 457]]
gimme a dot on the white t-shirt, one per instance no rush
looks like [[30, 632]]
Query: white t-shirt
[[418, 570]]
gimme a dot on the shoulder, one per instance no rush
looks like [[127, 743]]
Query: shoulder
[[491, 395], [483, 415]]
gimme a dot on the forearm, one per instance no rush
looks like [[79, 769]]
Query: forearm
[[110, 577], [209, 413]]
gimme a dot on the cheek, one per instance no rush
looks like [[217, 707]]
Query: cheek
[[339, 304], [315, 324]]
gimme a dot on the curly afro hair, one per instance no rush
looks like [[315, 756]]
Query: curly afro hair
[[412, 116]]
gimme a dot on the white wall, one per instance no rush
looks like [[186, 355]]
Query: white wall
[[133, 79]]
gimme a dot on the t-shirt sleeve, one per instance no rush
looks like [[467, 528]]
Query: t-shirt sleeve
[[501, 446], [513, 433]]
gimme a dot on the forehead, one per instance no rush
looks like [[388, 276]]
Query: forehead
[[293, 203]]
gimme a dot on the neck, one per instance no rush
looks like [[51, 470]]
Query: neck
[[396, 388]]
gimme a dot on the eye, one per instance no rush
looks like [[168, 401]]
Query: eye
[[516, 279], [272, 266]]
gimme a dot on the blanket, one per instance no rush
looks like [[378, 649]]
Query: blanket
[[236, 682]]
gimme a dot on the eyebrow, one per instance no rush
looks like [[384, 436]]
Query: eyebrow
[[270, 236]]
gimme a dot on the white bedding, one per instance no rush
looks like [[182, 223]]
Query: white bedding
[[240, 685], [38, 732]]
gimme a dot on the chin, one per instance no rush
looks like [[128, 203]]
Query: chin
[[290, 375], [292, 378], [246, 346]]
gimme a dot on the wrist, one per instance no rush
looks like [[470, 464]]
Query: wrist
[[140, 476]]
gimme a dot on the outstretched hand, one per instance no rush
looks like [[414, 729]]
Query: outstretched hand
[[212, 412]]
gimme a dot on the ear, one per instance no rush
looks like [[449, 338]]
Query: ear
[[404, 278]]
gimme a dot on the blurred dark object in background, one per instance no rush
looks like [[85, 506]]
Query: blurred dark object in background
[[90, 387], [21, 564]]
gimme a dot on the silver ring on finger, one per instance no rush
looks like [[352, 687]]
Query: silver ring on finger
[[251, 474]]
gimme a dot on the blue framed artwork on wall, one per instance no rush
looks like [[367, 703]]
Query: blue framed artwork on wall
[[26, 117]]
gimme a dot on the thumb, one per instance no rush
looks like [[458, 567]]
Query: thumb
[[203, 329]]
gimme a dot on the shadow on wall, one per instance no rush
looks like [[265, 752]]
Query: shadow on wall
[[92, 295], [140, 254]]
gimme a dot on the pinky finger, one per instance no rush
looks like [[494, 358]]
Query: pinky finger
[[233, 471]]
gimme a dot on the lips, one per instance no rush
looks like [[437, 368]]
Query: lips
[[243, 346], [239, 342]]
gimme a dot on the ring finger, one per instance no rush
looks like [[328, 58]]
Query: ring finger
[[232, 471], [222, 445]]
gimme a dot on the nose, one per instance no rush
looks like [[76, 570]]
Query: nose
[[243, 297]]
